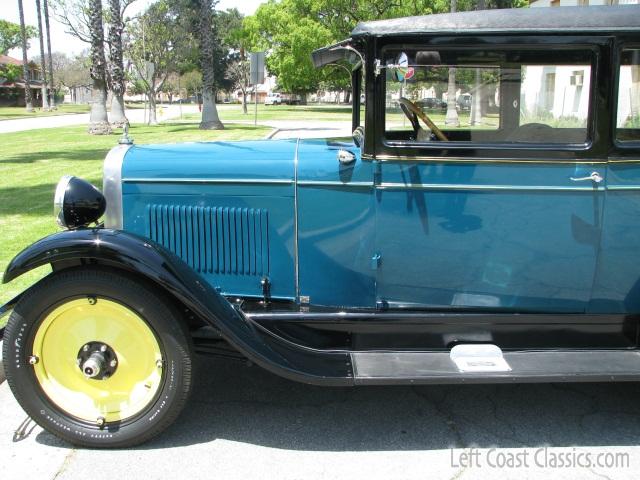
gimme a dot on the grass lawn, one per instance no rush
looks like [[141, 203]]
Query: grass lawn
[[12, 113], [32, 162], [283, 112]]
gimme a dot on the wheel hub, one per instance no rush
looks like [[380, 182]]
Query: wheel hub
[[97, 360]]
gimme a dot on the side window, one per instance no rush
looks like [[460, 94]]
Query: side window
[[628, 113], [499, 97]]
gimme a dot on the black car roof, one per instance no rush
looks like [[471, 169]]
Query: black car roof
[[534, 20]]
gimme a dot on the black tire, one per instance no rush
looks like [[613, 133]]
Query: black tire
[[131, 292]]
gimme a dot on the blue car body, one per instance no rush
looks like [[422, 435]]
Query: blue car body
[[501, 250]]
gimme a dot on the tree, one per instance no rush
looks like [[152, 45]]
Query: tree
[[11, 36], [116, 64], [43, 66], [98, 119], [71, 72], [28, 99], [289, 36], [238, 40], [206, 36], [156, 51], [52, 97], [192, 83], [238, 75], [452, 113]]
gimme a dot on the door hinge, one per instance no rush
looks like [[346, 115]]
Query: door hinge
[[265, 283]]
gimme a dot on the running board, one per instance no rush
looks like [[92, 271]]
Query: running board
[[387, 367]]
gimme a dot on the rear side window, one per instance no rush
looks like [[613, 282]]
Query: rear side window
[[480, 96], [628, 116]]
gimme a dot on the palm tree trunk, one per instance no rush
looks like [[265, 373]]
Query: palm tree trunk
[[475, 116], [52, 90], [28, 98], [43, 66], [116, 65], [210, 119], [452, 114], [98, 119]]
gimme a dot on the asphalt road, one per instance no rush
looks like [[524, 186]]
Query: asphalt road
[[245, 423]]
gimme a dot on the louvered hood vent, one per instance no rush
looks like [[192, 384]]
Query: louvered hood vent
[[215, 240]]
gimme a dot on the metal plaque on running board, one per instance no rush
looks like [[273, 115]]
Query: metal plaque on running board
[[257, 68]]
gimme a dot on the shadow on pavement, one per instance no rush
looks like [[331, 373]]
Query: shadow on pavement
[[235, 402]]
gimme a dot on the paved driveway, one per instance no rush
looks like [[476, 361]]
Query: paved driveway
[[134, 116], [245, 423]]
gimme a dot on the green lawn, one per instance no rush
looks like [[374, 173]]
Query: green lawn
[[12, 113], [32, 162], [283, 112]]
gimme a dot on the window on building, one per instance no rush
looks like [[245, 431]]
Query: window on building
[[480, 96], [628, 113]]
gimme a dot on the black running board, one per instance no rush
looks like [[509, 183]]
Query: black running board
[[387, 367]]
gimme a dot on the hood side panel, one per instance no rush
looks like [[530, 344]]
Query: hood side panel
[[226, 209]]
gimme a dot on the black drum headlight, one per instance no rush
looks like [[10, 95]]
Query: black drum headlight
[[77, 203]]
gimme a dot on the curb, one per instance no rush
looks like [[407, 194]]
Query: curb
[[273, 133]]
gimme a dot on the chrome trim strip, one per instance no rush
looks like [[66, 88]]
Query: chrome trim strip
[[112, 186], [624, 187], [391, 158], [295, 222], [624, 160], [333, 183], [525, 188], [251, 181]]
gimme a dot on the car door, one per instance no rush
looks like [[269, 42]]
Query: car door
[[511, 227]]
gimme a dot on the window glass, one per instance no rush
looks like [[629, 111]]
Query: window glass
[[487, 97], [628, 116]]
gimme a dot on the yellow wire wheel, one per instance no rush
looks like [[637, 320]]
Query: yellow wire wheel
[[129, 359]]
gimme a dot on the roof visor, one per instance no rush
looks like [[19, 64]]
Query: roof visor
[[343, 50]]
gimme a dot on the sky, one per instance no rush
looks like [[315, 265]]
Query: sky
[[63, 42]]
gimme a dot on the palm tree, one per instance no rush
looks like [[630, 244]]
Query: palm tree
[[210, 119], [98, 119], [52, 96], [43, 66], [28, 99], [452, 114], [475, 116], [116, 65]]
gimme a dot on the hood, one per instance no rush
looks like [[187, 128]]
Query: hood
[[244, 160]]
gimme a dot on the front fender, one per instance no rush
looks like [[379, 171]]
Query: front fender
[[156, 263]]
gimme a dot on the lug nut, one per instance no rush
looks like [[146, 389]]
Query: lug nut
[[103, 348], [113, 363], [85, 348], [33, 359]]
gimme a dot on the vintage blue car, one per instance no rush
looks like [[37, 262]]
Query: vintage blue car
[[498, 244]]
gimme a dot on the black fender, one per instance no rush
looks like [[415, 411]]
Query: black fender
[[169, 272]]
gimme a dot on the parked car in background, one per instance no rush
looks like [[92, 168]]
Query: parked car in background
[[414, 252], [276, 98], [432, 103], [463, 102], [273, 98]]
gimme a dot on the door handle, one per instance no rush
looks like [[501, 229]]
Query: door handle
[[594, 177], [345, 156]]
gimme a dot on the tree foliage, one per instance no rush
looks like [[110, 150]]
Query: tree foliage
[[289, 30], [10, 35]]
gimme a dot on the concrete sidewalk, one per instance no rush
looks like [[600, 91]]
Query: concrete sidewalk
[[243, 422], [134, 116]]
